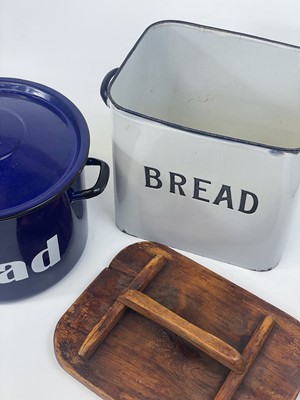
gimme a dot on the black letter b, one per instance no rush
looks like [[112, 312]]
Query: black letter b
[[155, 176]]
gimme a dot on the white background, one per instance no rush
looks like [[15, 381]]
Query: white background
[[69, 45]]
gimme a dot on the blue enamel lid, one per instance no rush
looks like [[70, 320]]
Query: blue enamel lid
[[44, 143]]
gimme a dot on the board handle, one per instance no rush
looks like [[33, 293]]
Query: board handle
[[204, 341], [239, 364]]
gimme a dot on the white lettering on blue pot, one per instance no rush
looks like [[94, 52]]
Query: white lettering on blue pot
[[17, 270]]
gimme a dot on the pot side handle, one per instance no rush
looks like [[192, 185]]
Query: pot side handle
[[100, 184], [104, 85]]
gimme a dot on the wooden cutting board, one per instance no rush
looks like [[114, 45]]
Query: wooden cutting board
[[155, 325]]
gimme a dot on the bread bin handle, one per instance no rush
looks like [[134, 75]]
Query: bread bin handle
[[104, 85]]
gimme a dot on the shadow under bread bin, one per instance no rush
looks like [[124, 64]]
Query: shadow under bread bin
[[44, 144], [206, 140]]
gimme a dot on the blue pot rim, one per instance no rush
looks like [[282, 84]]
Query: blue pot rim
[[50, 98]]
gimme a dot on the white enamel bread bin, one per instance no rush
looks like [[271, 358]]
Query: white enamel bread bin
[[206, 140]]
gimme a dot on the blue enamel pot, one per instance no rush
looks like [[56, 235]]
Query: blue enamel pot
[[44, 145]]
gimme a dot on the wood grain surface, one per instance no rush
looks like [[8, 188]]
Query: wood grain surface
[[140, 360]]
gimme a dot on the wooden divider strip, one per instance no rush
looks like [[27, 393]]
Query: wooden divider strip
[[116, 311], [249, 354]]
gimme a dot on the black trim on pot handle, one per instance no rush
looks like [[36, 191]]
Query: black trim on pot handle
[[104, 85], [100, 184]]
